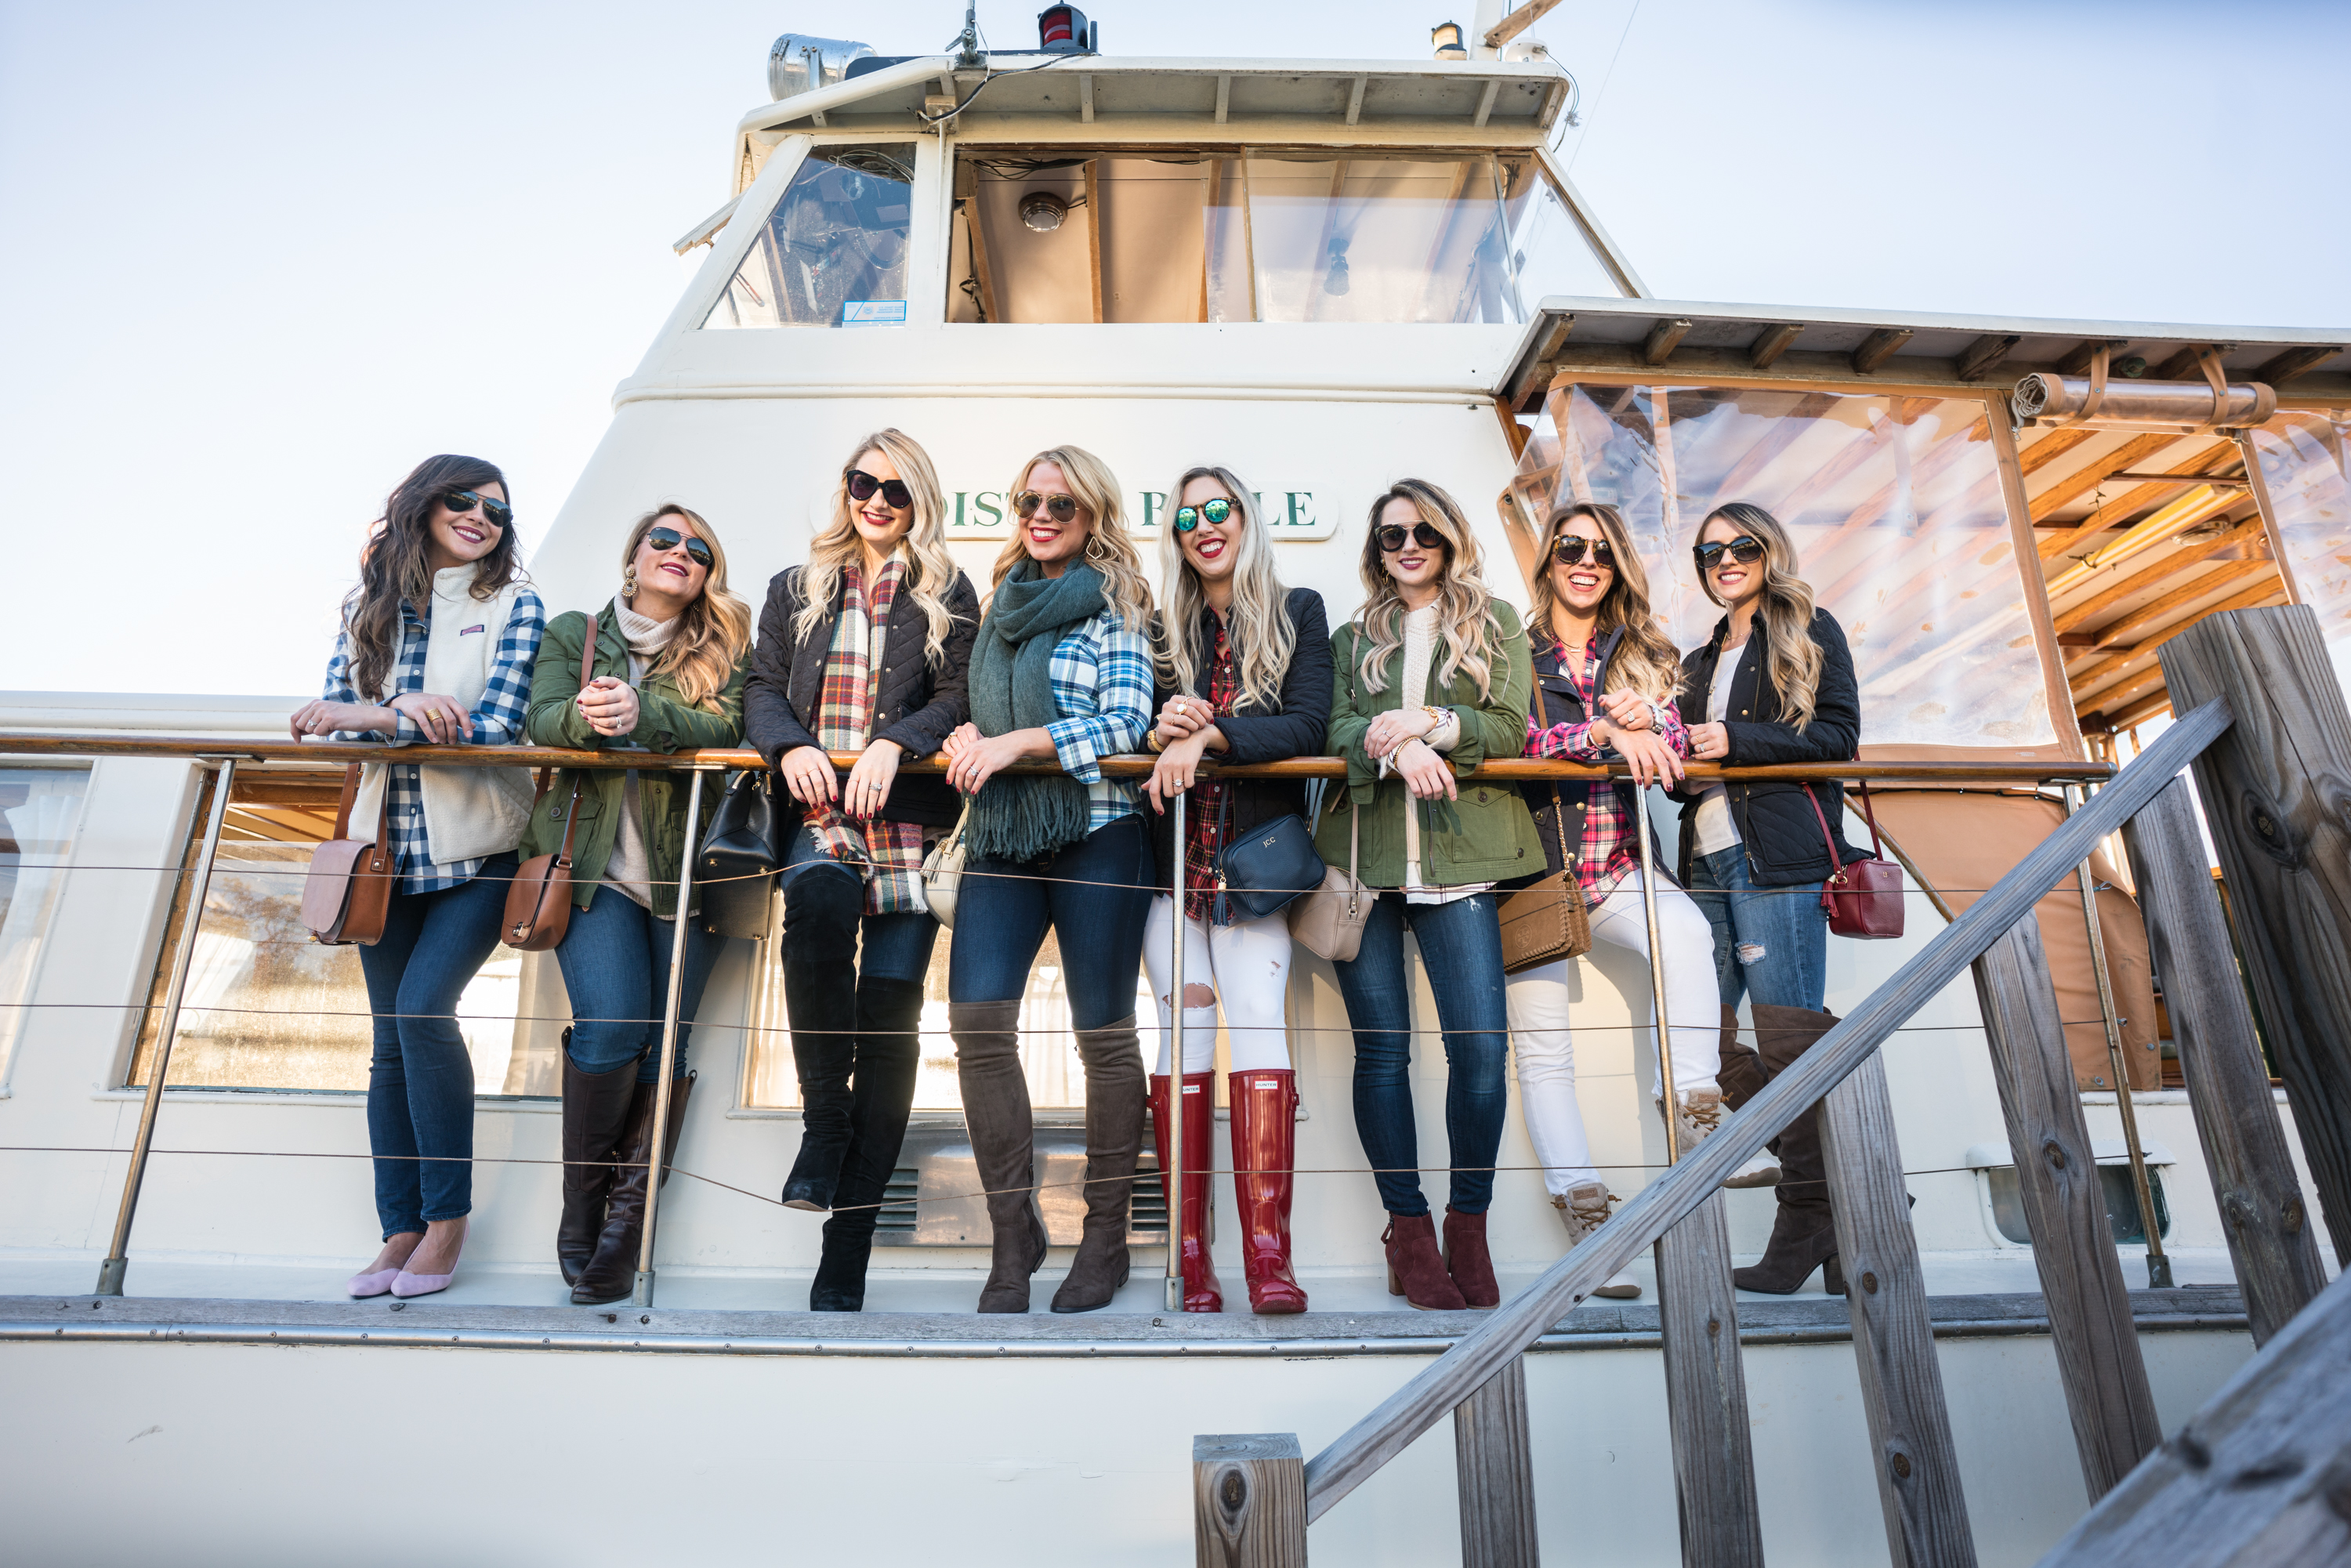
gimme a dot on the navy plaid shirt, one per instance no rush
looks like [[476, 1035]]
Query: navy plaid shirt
[[497, 721], [1102, 682]]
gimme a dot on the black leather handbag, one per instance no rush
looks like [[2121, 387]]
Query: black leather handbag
[[735, 870], [1262, 873]]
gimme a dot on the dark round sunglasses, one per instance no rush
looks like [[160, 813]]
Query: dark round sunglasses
[[463, 501], [1745, 550], [1218, 511], [1061, 508], [1574, 549], [1392, 537], [894, 494], [667, 539]]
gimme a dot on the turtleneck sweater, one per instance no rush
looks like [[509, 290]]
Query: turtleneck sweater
[[630, 871]]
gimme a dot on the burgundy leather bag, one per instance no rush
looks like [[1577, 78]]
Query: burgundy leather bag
[[1864, 898]]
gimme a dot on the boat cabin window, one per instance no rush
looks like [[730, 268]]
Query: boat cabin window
[[1895, 508], [1064, 235], [38, 809], [2306, 458], [266, 1007], [833, 253]]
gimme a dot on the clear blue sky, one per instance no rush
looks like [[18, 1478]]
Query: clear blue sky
[[258, 258]]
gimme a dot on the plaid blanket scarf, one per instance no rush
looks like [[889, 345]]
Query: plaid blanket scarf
[[888, 854]]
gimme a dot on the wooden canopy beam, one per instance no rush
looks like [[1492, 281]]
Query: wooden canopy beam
[[1770, 343], [2156, 612], [2094, 472], [1878, 347], [2115, 513], [2285, 367], [1663, 339], [1980, 356], [2138, 582]]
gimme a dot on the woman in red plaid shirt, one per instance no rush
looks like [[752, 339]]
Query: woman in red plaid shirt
[[1604, 683]]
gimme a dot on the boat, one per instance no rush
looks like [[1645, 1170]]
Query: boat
[[1324, 274]]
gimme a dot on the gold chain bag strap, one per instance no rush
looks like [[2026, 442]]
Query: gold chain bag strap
[[538, 900], [348, 893], [1546, 921]]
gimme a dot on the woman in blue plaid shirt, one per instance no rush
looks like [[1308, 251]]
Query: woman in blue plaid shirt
[[1061, 673], [436, 646]]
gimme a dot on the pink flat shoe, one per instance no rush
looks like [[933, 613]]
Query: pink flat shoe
[[362, 1286], [412, 1285]]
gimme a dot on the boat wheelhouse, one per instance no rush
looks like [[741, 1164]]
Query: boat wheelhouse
[[1324, 275]]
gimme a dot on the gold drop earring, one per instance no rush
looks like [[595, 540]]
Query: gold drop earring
[[629, 581]]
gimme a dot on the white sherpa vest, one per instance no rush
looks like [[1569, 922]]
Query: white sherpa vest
[[470, 813]]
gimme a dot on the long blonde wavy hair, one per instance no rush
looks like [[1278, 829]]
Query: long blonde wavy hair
[[1786, 611], [713, 633], [1644, 660], [932, 571], [1260, 627], [1465, 606], [1109, 548]]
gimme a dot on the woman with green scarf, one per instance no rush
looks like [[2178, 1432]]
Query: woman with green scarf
[[1061, 673]]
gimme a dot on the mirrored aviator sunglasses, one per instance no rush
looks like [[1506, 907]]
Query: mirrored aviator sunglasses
[[1218, 511], [894, 494], [1746, 549], [464, 501], [695, 549]]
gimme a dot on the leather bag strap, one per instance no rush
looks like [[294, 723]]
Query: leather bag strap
[[571, 813], [1836, 867], [351, 795], [1876, 844]]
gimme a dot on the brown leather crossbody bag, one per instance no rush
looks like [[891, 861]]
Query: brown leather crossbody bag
[[348, 892], [1545, 921], [538, 900]]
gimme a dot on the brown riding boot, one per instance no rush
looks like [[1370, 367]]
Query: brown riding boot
[[1803, 1233], [1003, 1145], [595, 1108], [612, 1273], [1114, 1093], [1415, 1269], [1470, 1265], [1741, 1077]]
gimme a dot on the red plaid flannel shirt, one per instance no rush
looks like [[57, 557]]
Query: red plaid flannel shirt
[[1202, 838], [1608, 851]]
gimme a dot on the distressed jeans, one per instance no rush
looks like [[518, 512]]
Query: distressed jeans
[[1771, 943]]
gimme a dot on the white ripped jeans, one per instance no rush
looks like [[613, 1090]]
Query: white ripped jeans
[[1546, 1052], [1245, 968]]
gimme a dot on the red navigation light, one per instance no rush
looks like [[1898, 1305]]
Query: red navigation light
[[1062, 30]]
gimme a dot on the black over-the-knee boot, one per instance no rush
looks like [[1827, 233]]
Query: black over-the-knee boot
[[889, 1051], [822, 906]]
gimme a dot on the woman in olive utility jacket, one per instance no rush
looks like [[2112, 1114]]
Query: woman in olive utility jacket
[[672, 652], [1433, 677]]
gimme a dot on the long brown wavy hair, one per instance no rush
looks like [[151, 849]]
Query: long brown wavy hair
[[396, 564], [1646, 660], [713, 633], [1465, 606], [1786, 611]]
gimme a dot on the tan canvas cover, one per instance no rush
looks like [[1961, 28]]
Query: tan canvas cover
[[1962, 842]]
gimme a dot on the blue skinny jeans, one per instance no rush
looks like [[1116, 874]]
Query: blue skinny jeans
[[1461, 948], [1096, 896], [615, 959], [1769, 943], [420, 1104]]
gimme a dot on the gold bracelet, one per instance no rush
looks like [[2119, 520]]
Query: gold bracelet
[[1152, 742]]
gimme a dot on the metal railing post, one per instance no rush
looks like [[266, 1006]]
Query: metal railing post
[[118, 1261], [2158, 1266], [643, 1294], [1175, 1182]]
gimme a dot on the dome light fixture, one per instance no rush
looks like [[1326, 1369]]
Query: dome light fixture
[[1042, 211]]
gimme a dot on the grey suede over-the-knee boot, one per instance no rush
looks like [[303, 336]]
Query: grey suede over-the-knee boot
[[1115, 1088], [1003, 1145]]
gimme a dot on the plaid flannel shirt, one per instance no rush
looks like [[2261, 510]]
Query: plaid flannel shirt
[[1102, 682], [1608, 851], [497, 721], [888, 855], [1203, 821]]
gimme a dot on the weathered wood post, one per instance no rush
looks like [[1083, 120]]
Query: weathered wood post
[[2277, 796], [2271, 1240], [1248, 1502], [1706, 1394], [2106, 1392], [1918, 1464], [1494, 1468]]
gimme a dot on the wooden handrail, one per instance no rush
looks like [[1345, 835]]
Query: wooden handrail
[[1510, 770], [1483, 1352]]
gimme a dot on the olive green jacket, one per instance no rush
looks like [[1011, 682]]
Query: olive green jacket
[[665, 724], [1484, 836]]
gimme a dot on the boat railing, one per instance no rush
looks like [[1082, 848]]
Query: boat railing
[[2268, 737]]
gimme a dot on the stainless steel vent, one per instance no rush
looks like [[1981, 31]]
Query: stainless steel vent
[[936, 1171]]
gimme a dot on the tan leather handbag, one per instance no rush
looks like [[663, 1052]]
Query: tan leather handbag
[[348, 892], [538, 900], [1328, 921], [1545, 921]]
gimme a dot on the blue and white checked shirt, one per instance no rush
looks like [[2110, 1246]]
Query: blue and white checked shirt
[[1101, 680], [497, 721]]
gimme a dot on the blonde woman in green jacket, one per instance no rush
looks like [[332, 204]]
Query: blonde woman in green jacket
[[1433, 678], [672, 652]]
